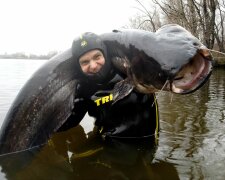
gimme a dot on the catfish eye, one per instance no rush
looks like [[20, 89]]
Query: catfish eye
[[195, 44]]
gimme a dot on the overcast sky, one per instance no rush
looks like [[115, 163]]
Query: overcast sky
[[39, 26]]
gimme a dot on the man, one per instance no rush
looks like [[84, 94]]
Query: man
[[135, 116]]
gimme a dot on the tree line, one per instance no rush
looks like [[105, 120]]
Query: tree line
[[22, 55], [203, 18]]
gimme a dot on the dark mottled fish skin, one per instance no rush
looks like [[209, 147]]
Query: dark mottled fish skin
[[154, 57], [41, 106], [46, 100]]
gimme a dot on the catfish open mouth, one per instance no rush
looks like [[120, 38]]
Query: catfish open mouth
[[193, 75]]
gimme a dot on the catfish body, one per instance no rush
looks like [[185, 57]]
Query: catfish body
[[149, 60], [41, 106]]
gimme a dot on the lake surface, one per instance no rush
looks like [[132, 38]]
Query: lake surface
[[191, 142]]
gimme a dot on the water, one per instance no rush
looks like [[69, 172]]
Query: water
[[192, 135], [13, 74], [191, 141]]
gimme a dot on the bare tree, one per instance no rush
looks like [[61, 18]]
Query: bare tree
[[203, 18], [198, 16], [219, 26], [147, 18]]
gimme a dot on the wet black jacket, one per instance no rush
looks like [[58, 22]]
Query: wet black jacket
[[134, 116]]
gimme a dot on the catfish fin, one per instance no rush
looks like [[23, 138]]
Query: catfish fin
[[122, 89]]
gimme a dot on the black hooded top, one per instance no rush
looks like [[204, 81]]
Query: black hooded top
[[86, 42], [134, 116]]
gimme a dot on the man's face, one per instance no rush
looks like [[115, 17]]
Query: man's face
[[92, 61]]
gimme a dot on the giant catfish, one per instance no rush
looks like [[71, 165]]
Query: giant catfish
[[170, 59]]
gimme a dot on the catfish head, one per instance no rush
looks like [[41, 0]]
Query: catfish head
[[174, 60]]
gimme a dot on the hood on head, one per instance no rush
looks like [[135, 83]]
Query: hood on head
[[84, 43]]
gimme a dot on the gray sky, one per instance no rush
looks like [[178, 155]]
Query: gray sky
[[39, 26]]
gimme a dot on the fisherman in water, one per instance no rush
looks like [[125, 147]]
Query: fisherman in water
[[134, 116]]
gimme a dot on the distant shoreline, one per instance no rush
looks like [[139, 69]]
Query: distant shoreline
[[28, 56], [1, 59]]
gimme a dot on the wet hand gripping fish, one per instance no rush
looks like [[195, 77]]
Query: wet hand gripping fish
[[170, 59]]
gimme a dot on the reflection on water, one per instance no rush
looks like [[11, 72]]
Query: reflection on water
[[76, 155], [191, 142], [192, 130]]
